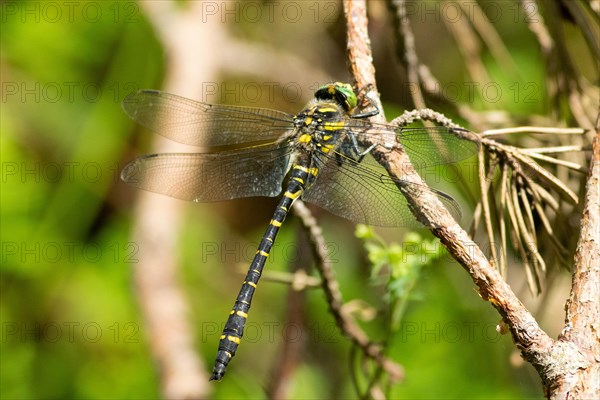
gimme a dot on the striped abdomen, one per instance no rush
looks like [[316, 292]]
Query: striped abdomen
[[234, 328]]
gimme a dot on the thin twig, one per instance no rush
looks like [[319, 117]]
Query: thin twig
[[537, 26], [469, 46], [547, 197], [533, 130], [419, 76], [408, 54], [426, 114], [298, 280], [525, 239], [334, 297], [556, 244], [568, 164], [485, 202], [553, 150], [490, 36], [503, 194], [588, 21], [527, 167]]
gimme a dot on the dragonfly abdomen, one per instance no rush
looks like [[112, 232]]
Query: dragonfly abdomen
[[234, 328]]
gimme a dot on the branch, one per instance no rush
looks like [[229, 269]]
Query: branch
[[334, 297], [533, 342], [358, 48], [583, 306]]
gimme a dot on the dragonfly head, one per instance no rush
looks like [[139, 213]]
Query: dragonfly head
[[341, 93]]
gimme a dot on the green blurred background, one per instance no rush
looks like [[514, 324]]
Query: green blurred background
[[71, 322]]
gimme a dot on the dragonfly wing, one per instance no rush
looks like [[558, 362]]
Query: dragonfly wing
[[433, 146], [426, 146], [363, 192], [205, 177], [201, 124]]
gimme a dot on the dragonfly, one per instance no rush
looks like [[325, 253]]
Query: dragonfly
[[318, 155]]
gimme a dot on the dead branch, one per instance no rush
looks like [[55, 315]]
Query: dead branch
[[554, 360], [583, 306]]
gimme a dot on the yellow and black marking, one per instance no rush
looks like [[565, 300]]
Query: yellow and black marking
[[234, 328], [318, 131]]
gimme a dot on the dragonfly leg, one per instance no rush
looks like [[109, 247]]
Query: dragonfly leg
[[367, 114], [358, 154]]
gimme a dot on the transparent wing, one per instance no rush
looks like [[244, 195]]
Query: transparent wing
[[201, 124], [433, 146], [204, 177], [426, 146], [363, 192]]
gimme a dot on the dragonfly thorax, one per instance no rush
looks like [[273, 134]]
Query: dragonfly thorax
[[319, 126]]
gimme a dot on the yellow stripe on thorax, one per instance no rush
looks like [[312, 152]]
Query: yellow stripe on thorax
[[334, 126], [326, 109], [326, 148], [304, 138]]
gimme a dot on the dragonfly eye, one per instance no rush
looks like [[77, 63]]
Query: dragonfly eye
[[341, 93]]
